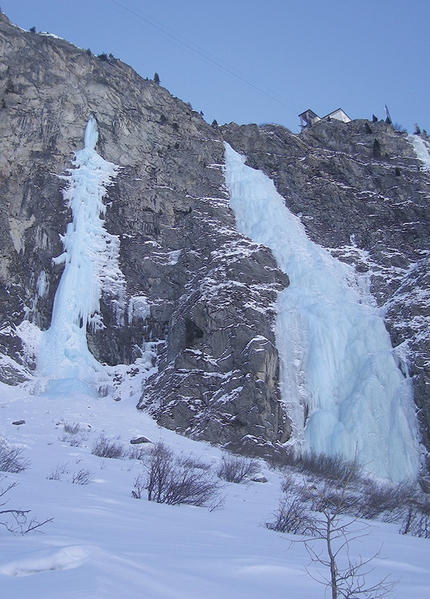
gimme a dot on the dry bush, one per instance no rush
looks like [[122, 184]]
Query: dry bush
[[291, 517], [108, 448], [10, 458], [416, 523], [237, 469], [334, 468], [82, 477], [17, 521], [72, 440], [72, 428], [364, 498], [388, 501], [137, 452], [416, 519], [320, 465], [317, 510], [58, 472], [73, 434], [175, 480], [139, 486], [342, 484], [193, 462]]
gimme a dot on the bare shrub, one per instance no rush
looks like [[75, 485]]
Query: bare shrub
[[386, 500], [329, 467], [288, 483], [280, 460], [318, 510], [108, 448], [137, 452], [82, 477], [10, 458], [73, 434], [160, 466], [139, 486], [416, 519], [341, 484], [58, 472], [331, 490], [364, 498], [173, 480], [291, 517], [416, 523], [17, 521], [331, 537], [72, 428], [321, 465], [193, 462], [72, 440], [237, 469]]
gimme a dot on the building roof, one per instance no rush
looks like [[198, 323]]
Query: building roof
[[309, 113], [339, 115], [309, 117]]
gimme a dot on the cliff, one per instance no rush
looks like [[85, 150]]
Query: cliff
[[208, 290], [202, 294]]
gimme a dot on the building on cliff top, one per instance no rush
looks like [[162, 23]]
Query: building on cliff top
[[309, 117]]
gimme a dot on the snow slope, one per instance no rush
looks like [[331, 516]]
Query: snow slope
[[340, 380], [103, 544]]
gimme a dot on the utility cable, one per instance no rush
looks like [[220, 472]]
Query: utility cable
[[197, 51]]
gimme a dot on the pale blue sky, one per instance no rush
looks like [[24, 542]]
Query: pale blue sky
[[319, 54]]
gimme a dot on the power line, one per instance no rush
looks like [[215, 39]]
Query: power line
[[197, 51]]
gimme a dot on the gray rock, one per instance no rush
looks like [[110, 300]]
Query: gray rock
[[259, 479], [425, 483], [139, 440], [369, 210], [209, 290]]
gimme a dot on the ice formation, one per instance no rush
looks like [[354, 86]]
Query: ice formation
[[422, 150], [339, 377], [91, 265]]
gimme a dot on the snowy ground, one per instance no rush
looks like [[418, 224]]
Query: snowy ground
[[102, 543]]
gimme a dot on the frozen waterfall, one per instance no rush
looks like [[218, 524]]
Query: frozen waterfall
[[422, 150], [90, 260], [339, 378]]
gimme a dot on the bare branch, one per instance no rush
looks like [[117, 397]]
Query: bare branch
[[319, 510], [16, 520], [35, 525]]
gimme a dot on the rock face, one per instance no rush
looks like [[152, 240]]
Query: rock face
[[202, 291], [361, 192], [197, 289]]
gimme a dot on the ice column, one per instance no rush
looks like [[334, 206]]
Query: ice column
[[90, 260], [339, 377]]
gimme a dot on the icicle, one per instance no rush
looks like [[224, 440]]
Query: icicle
[[91, 134], [339, 378], [91, 265]]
